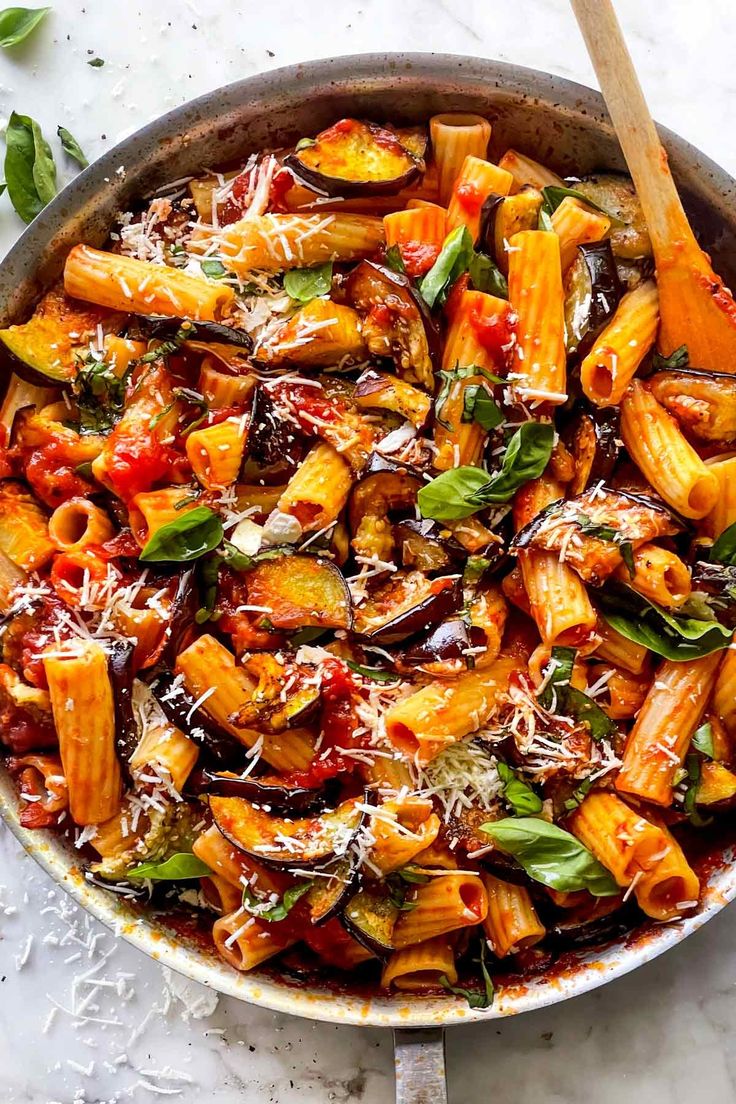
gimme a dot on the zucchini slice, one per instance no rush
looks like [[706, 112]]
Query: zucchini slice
[[299, 591], [353, 158], [280, 841]]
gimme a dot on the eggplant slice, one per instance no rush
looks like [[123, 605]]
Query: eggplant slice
[[271, 793], [407, 603], [704, 403], [300, 591], [615, 193], [380, 391], [120, 671], [426, 546], [328, 896], [353, 158], [167, 329], [271, 438], [594, 440], [589, 531], [284, 695], [397, 322], [280, 841], [370, 917], [592, 293], [181, 709]]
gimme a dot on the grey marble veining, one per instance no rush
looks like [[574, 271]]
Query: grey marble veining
[[661, 1036]]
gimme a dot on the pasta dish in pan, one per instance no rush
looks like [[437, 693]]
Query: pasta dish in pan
[[367, 571]]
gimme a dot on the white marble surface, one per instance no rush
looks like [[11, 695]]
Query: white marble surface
[[664, 1035]]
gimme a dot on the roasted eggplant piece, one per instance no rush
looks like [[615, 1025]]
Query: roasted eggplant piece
[[285, 841], [180, 627], [353, 158], [601, 521], [120, 671], [384, 488], [181, 709], [272, 439], [272, 794], [615, 193], [45, 349], [405, 605], [426, 546], [717, 787], [167, 329], [334, 337], [594, 440], [595, 922], [397, 322], [447, 649], [283, 696], [718, 582], [704, 403], [380, 391], [328, 896], [501, 221], [592, 293], [24, 527], [370, 917], [300, 591]]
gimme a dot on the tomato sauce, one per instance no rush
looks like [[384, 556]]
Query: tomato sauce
[[418, 257], [51, 476], [470, 197]]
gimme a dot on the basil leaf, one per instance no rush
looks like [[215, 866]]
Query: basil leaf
[[187, 332], [304, 143], [551, 855], [394, 260], [240, 561], [30, 172], [174, 869], [186, 538], [475, 568], [274, 911], [563, 660], [486, 276], [680, 358], [561, 697], [578, 795], [449, 378], [100, 395], [96, 63], [17, 23], [553, 195], [71, 146], [377, 674], [208, 571], [305, 284], [480, 407], [724, 547], [414, 877], [703, 740], [460, 492], [667, 634], [692, 766], [453, 260], [475, 1000], [214, 269], [520, 796], [544, 222]]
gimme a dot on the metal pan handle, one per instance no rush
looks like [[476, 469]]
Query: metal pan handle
[[419, 1054]]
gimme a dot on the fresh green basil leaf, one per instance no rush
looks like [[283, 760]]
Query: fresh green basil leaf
[[486, 276], [608, 533], [479, 406], [680, 358], [585, 710], [305, 284], [213, 268], [693, 768], [562, 698], [454, 259], [460, 492], [377, 674], [208, 570], [562, 662], [544, 222], [176, 868], [475, 999], [448, 378], [30, 173], [71, 146], [240, 561], [96, 62], [578, 795], [394, 260], [553, 195], [626, 549], [703, 739], [304, 143], [667, 634], [186, 538], [17, 23], [413, 877], [724, 547], [520, 796], [187, 332], [551, 855], [85, 470], [475, 568], [265, 909]]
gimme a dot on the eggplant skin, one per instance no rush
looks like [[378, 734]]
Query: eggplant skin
[[370, 918], [328, 896], [594, 439], [179, 708], [704, 403], [272, 793], [353, 158], [167, 328], [592, 293], [376, 622]]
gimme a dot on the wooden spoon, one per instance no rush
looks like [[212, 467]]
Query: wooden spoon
[[696, 309]]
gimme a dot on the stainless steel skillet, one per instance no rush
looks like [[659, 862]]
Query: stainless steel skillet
[[564, 125]]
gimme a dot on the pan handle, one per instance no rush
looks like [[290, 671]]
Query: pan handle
[[419, 1054]]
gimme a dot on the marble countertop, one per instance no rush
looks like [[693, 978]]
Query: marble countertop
[[663, 1035]]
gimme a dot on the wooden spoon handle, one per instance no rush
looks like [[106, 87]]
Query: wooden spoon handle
[[645, 156]]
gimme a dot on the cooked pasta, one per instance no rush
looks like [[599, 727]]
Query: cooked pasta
[[342, 578]]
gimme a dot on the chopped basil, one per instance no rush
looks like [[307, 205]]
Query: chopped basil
[[453, 260], [30, 172], [553, 195], [520, 796], [100, 395], [71, 146], [166, 348], [213, 268], [551, 855], [304, 143], [305, 284], [475, 567], [452, 376], [608, 533], [680, 358], [274, 911], [724, 547], [377, 674], [460, 492], [703, 739], [667, 634], [208, 570], [485, 275], [186, 538], [544, 222], [17, 23], [560, 696], [394, 260], [240, 561], [578, 795], [480, 407], [96, 62], [693, 768], [176, 868], [475, 1000]]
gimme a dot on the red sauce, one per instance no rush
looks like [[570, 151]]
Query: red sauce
[[339, 722], [494, 332], [52, 478], [456, 293], [122, 544], [470, 197], [418, 257], [137, 463]]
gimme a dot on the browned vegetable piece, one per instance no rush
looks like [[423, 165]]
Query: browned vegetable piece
[[516, 212], [717, 786], [299, 591], [272, 439], [380, 391], [282, 841], [384, 487], [593, 922], [593, 438], [704, 403], [353, 158], [600, 521], [24, 529], [447, 650], [283, 696], [592, 293], [370, 917], [615, 193], [271, 793], [427, 546], [397, 322], [321, 333], [328, 896], [405, 605]]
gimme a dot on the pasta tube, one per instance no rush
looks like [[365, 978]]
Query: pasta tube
[[419, 967], [723, 513], [216, 452], [318, 490], [244, 942], [512, 923], [609, 367], [575, 225], [525, 170], [419, 233], [478, 180], [535, 293], [78, 523], [659, 575], [447, 902], [454, 137], [275, 242]]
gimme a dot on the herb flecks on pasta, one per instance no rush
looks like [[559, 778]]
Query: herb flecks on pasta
[[367, 577]]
